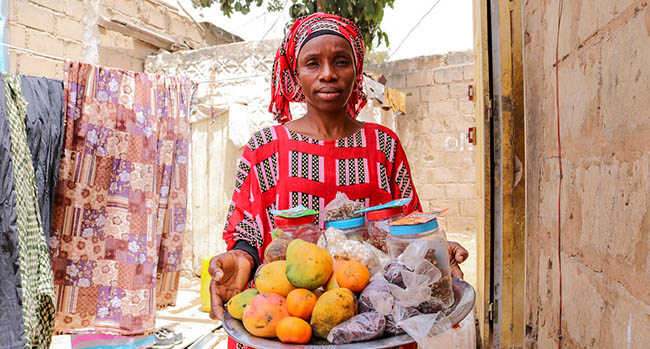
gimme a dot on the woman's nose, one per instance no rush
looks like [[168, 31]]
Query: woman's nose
[[328, 72]]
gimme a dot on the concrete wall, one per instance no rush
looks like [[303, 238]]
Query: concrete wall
[[68, 28], [434, 136], [604, 79]]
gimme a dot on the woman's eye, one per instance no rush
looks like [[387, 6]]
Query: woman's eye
[[343, 62], [311, 64]]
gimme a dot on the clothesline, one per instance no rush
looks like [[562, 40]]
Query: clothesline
[[233, 78], [34, 52]]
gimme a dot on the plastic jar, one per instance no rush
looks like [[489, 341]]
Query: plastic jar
[[353, 228], [304, 227], [438, 253], [379, 225]]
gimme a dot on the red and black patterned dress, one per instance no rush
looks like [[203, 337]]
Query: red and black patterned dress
[[280, 169]]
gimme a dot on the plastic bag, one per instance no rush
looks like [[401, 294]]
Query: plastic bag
[[412, 276], [431, 306], [362, 327], [376, 297], [398, 314], [338, 245], [277, 248], [393, 273], [341, 208], [425, 329], [381, 257], [414, 258]]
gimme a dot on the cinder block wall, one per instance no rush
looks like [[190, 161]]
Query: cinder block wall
[[604, 75], [60, 28], [434, 137]]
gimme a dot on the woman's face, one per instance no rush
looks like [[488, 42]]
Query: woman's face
[[326, 72]]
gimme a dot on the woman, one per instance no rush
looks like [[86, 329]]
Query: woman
[[306, 161]]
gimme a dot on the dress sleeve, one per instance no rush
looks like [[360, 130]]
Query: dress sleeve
[[401, 183], [244, 220]]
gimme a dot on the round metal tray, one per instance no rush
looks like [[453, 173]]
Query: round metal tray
[[463, 292]]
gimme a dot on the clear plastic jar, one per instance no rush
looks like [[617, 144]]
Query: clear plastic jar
[[304, 228], [353, 228], [379, 225], [438, 253]]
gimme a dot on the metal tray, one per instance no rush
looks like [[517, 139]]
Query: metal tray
[[463, 292]]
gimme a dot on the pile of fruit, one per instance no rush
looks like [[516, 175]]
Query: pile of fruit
[[306, 294]]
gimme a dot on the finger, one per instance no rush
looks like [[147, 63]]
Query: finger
[[216, 304], [218, 275], [456, 272], [459, 252], [216, 265]]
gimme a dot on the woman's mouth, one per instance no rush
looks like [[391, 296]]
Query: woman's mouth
[[328, 93]]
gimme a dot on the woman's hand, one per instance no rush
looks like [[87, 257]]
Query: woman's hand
[[457, 254], [230, 272]]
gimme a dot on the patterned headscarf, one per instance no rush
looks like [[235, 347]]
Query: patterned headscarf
[[284, 82]]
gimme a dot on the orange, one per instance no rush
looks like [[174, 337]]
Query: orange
[[353, 276], [293, 330], [300, 303], [337, 265]]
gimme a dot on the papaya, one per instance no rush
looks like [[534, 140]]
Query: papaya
[[238, 303], [272, 278], [308, 266], [264, 313], [331, 309]]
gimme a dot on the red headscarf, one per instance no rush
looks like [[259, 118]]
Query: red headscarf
[[284, 82]]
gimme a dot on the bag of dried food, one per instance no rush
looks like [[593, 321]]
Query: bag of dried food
[[362, 327], [418, 237], [343, 249], [427, 329], [342, 208], [277, 249], [376, 296]]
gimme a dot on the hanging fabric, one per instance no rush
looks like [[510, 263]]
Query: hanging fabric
[[120, 206], [44, 123], [35, 268], [11, 294]]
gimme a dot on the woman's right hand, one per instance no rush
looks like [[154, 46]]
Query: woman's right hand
[[230, 273]]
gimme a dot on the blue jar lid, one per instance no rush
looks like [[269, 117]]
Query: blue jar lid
[[346, 223], [410, 229]]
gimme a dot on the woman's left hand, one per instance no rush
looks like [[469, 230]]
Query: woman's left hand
[[457, 254]]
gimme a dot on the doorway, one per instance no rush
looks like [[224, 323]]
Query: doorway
[[501, 180]]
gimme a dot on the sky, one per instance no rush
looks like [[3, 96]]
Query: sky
[[448, 27]]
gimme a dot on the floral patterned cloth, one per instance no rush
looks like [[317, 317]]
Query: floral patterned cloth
[[120, 203]]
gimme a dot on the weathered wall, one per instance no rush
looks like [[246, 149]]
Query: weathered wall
[[604, 79], [68, 29], [434, 136]]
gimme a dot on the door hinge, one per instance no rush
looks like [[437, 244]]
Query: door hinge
[[491, 312], [489, 108]]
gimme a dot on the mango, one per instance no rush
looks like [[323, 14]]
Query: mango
[[331, 284], [264, 313], [272, 278], [238, 303], [331, 309], [308, 266]]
